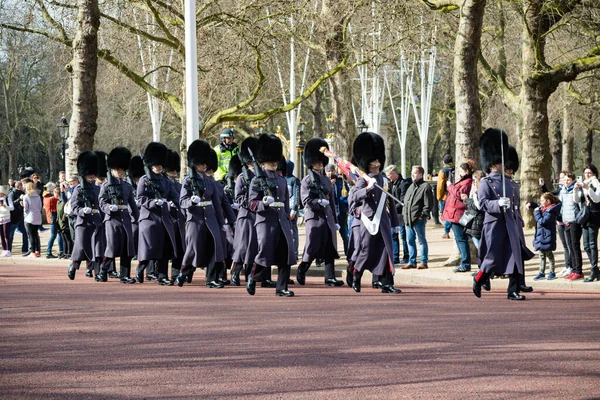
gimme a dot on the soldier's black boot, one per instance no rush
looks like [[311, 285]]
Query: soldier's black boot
[[235, 274], [301, 273], [250, 282], [139, 274], [349, 274], [72, 269], [180, 279], [190, 275], [125, 275], [356, 281], [102, 276]]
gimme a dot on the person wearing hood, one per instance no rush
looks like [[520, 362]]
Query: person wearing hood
[[269, 199], [157, 239], [84, 205], [544, 239], [375, 215], [319, 214], [116, 200], [502, 249], [204, 218]]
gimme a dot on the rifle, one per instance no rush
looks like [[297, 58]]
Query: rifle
[[152, 185], [229, 187], [315, 186], [114, 190], [82, 193], [197, 184], [265, 184]]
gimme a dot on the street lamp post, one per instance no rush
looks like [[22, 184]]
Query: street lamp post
[[63, 133], [362, 126]]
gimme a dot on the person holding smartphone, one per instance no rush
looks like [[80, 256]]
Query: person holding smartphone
[[454, 209]]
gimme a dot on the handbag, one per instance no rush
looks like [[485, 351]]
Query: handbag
[[583, 216], [467, 219]]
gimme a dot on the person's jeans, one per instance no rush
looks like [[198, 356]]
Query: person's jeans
[[396, 246], [53, 234], [404, 242], [25, 241], [573, 237], [412, 232], [462, 242], [294, 225], [33, 236], [590, 244], [343, 222], [476, 242], [561, 234], [447, 224]]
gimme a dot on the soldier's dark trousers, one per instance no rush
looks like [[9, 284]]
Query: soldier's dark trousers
[[515, 280], [124, 266], [328, 255], [283, 274]]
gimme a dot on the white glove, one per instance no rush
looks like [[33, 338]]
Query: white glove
[[292, 214], [87, 210], [224, 228], [235, 206], [171, 204], [397, 229], [337, 227], [195, 199], [371, 184], [268, 200], [160, 202], [113, 207], [323, 202], [504, 202]]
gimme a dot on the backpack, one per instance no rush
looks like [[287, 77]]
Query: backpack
[[67, 208], [449, 173]]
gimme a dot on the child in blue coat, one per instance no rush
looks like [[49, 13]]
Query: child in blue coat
[[544, 240]]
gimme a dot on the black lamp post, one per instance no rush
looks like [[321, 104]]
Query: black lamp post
[[63, 133], [362, 126]]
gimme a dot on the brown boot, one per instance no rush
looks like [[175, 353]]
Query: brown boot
[[408, 266], [422, 266]]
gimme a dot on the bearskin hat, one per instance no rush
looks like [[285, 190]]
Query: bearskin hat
[[119, 158], [87, 164], [136, 168], [367, 148], [102, 169], [490, 148], [213, 161], [26, 173], [244, 154], [235, 167], [155, 154], [312, 153], [512, 159], [268, 149], [198, 153], [173, 161], [282, 166]]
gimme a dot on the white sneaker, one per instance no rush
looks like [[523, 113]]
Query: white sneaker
[[567, 272], [3, 254], [8, 254]]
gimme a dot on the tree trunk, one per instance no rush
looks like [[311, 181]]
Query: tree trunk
[[317, 113], [12, 161], [568, 140], [340, 83], [84, 65], [466, 81], [589, 142], [51, 150], [444, 132], [556, 148]]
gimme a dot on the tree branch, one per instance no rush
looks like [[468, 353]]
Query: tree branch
[[180, 47], [568, 71], [441, 5], [52, 21], [510, 98]]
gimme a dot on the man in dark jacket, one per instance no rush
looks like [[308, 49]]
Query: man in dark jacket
[[399, 188], [341, 189], [16, 215], [418, 203]]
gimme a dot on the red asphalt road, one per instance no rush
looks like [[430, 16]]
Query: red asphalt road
[[80, 339]]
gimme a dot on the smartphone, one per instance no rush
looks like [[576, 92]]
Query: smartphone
[[579, 179]]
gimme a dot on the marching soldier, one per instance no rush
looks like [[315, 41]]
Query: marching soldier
[[116, 199], [84, 205], [172, 170], [372, 226], [135, 172], [156, 231], [319, 214], [502, 250], [204, 220], [269, 199]]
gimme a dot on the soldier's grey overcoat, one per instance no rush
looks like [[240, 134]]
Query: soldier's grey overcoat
[[118, 230]]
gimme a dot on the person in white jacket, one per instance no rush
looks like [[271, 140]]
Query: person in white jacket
[[6, 206], [32, 207], [591, 195]]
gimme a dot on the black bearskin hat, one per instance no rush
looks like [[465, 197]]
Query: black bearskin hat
[[490, 148], [119, 158], [235, 167], [155, 154], [26, 173], [512, 159], [312, 153], [282, 166], [213, 161], [198, 153], [173, 161], [244, 154], [87, 164], [368, 147], [268, 149], [136, 168], [102, 169]]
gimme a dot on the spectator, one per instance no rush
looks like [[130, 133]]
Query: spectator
[[38, 185], [546, 214], [6, 206], [32, 208], [50, 205], [399, 188], [472, 203], [571, 200], [418, 203], [16, 216], [340, 189], [293, 184], [63, 227], [66, 194], [445, 174], [591, 195], [454, 209]]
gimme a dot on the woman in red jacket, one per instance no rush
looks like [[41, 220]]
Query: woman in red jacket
[[454, 209]]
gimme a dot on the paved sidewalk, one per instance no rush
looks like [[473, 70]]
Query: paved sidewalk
[[437, 275]]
